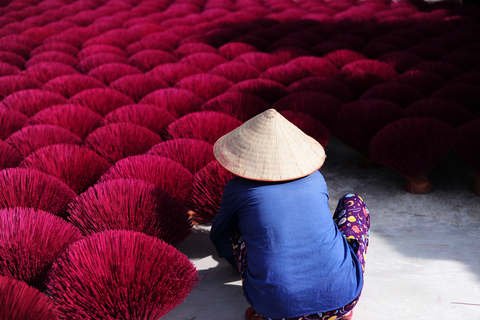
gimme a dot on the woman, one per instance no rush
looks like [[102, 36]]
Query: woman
[[274, 224]]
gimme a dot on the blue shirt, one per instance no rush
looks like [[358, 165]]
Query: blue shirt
[[299, 263]]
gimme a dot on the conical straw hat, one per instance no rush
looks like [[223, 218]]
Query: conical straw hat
[[268, 147]]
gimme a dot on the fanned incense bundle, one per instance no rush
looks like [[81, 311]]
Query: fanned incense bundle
[[206, 195], [164, 173], [31, 240], [193, 154], [178, 102], [149, 116], [78, 167], [97, 270], [102, 101], [146, 60], [32, 138], [31, 188], [20, 301], [120, 140], [203, 125], [31, 101], [126, 204], [413, 147], [137, 86], [72, 84]]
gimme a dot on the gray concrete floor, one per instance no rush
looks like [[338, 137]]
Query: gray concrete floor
[[423, 261]]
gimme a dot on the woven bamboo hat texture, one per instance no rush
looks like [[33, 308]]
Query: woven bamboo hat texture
[[268, 147]]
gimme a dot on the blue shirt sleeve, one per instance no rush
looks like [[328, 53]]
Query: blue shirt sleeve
[[222, 226]]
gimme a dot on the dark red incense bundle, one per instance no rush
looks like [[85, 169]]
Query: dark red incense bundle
[[309, 125], [146, 60], [400, 60], [178, 102], [173, 72], [468, 148], [464, 60], [341, 57], [361, 75], [316, 66], [207, 126], [204, 61], [52, 56], [191, 48], [321, 84], [399, 42], [289, 42], [287, 54], [150, 116], [7, 69], [31, 138], [120, 140], [93, 61], [472, 77], [233, 49], [207, 191], [76, 166], [448, 111], [136, 205], [193, 154], [110, 72], [444, 69], [20, 301], [236, 71], [255, 41], [104, 38], [242, 106], [413, 155], [9, 156], [101, 101], [328, 46], [31, 240], [31, 101], [148, 44], [39, 34], [17, 44], [46, 71], [424, 81], [137, 86], [12, 59], [101, 49], [35, 189], [307, 102], [72, 84], [358, 121], [428, 51], [205, 85], [467, 95], [285, 74], [268, 90], [97, 270], [14, 83], [77, 33], [260, 60], [77, 119], [164, 173], [10, 121], [64, 37], [399, 93]]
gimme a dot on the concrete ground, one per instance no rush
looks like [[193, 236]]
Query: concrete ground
[[423, 260]]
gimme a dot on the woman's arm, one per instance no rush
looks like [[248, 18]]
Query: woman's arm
[[222, 227]]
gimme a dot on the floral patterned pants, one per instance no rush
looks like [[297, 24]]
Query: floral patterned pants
[[353, 220]]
